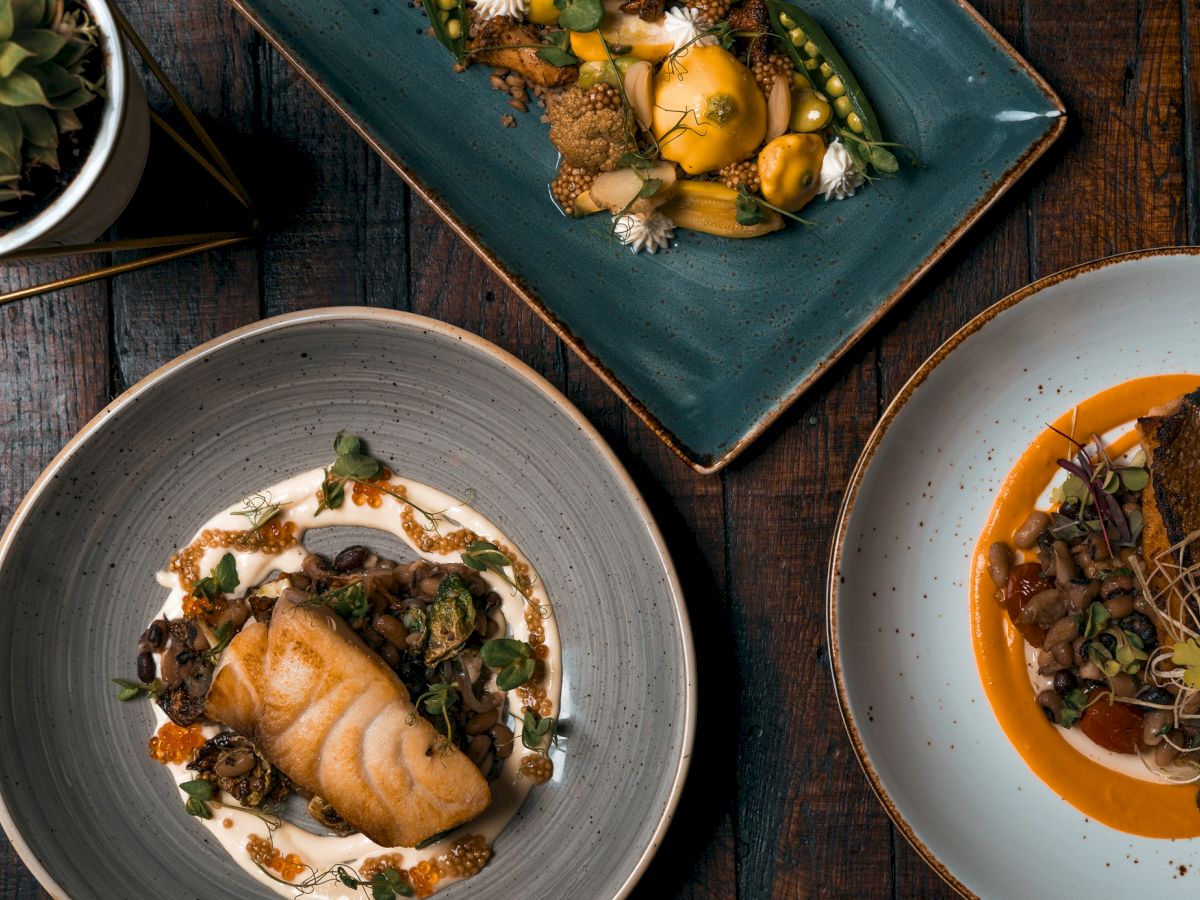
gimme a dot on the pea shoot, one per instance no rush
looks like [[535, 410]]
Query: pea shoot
[[512, 660]]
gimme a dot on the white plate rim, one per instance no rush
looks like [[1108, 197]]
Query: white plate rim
[[903, 396]]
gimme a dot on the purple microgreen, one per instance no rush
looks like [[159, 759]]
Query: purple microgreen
[[1082, 472]]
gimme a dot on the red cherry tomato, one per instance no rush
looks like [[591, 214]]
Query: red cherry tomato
[[1024, 581], [1114, 726]]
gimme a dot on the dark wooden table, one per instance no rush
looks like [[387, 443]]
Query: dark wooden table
[[776, 805]]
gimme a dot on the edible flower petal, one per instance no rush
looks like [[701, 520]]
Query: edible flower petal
[[840, 177], [490, 9], [640, 231], [684, 25]]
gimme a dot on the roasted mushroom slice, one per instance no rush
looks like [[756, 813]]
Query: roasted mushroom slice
[[328, 816], [235, 765]]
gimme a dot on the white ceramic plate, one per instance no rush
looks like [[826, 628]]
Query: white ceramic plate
[[899, 627]]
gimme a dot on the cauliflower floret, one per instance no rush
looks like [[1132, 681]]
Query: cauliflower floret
[[591, 129]]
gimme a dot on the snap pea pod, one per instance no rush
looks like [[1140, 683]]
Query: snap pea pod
[[448, 19], [814, 54]]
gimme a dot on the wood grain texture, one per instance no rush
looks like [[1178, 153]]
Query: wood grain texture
[[776, 805]]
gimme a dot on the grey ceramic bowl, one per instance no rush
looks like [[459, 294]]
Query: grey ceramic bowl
[[87, 809]]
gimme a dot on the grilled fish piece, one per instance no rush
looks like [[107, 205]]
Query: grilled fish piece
[[1171, 501], [336, 720]]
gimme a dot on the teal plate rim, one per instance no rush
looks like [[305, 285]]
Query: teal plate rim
[[703, 463]]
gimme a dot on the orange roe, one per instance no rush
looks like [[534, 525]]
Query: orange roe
[[227, 823], [263, 852], [377, 864], [537, 768], [175, 744], [364, 492], [274, 537], [423, 877], [469, 854]]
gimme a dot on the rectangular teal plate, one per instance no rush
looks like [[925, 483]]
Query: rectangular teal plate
[[711, 340]]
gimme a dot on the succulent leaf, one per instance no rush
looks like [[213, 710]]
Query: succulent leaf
[[6, 20], [54, 79], [11, 135], [12, 55], [22, 89], [28, 13], [38, 126], [44, 44]]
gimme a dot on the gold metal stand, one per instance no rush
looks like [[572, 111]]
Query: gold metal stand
[[168, 247]]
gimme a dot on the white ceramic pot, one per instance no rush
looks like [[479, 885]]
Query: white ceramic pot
[[105, 184]]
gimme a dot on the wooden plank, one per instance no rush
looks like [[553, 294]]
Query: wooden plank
[[161, 312], [449, 282], [1122, 185], [339, 213], [53, 377], [1190, 39], [807, 821]]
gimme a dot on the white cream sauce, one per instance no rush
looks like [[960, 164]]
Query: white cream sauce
[[297, 497]]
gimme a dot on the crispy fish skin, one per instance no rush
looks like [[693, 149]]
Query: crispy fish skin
[[519, 42], [337, 721], [1171, 502]]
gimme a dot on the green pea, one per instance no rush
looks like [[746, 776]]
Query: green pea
[[819, 56], [443, 15], [447, 4], [454, 29], [797, 37]]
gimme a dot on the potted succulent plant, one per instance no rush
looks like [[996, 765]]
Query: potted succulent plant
[[74, 123]]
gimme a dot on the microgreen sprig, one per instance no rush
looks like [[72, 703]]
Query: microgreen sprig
[[131, 690], [750, 209], [537, 733], [259, 509], [199, 793], [222, 580], [511, 659], [387, 884], [437, 700]]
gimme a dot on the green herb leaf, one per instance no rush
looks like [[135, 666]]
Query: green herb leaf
[[131, 690], [503, 652], [483, 556], [333, 493], [1074, 703], [1134, 479], [223, 634], [347, 444], [515, 675], [1097, 620], [349, 602], [580, 15], [353, 461], [650, 187], [749, 210], [556, 56], [222, 580], [536, 731], [199, 788]]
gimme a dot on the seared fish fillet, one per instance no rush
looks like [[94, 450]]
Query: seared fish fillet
[[1171, 502], [339, 723]]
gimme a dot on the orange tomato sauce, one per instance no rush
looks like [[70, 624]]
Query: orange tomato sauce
[[1119, 801]]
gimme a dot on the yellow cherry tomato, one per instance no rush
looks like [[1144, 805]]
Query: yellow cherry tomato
[[708, 110], [789, 169], [627, 35], [809, 111], [543, 12]]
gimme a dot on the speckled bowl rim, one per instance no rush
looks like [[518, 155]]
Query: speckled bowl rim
[[474, 341], [860, 469]]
